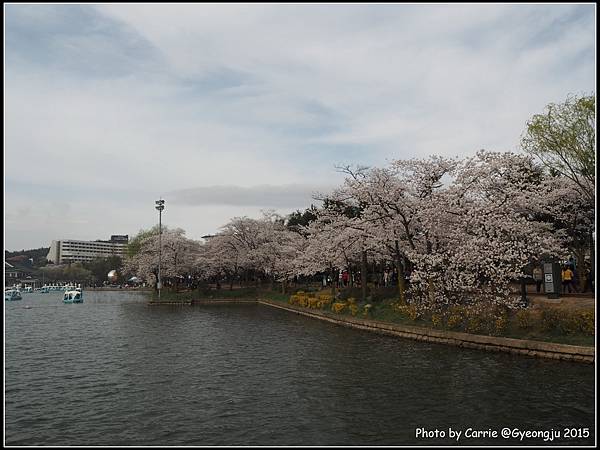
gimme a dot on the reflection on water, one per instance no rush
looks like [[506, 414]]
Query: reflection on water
[[116, 371]]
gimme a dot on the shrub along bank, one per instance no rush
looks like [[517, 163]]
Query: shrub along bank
[[550, 324]]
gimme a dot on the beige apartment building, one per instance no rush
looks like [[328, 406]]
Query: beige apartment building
[[70, 250]]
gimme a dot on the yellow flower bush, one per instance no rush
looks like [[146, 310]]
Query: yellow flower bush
[[325, 296], [409, 311], [338, 307], [568, 322], [436, 320], [587, 322], [313, 302], [353, 309], [501, 323], [524, 319], [325, 299], [367, 309], [309, 300], [454, 321], [300, 298], [474, 325]]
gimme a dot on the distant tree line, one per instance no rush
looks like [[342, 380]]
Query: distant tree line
[[88, 273], [24, 257]]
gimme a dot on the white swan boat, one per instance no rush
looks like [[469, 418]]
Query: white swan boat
[[11, 295], [73, 297]]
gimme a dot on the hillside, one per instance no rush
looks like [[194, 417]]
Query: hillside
[[21, 257]]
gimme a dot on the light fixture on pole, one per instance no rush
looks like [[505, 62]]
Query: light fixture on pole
[[160, 205]]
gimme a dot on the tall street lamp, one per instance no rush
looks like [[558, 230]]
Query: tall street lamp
[[160, 205]]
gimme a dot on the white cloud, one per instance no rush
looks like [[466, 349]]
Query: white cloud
[[282, 196], [151, 99]]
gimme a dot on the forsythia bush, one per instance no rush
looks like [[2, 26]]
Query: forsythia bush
[[550, 318], [407, 310], [474, 324], [338, 307], [524, 319], [454, 321], [436, 320], [353, 309], [501, 323], [567, 322], [325, 299], [587, 325], [310, 300], [367, 309]]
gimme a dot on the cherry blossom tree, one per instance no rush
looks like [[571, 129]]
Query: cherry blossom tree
[[480, 232], [462, 229], [389, 200], [264, 247], [178, 256], [220, 258], [465, 228]]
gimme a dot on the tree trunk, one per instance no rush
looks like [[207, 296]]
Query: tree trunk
[[580, 270], [333, 281], [363, 275], [400, 269], [156, 284], [430, 291]]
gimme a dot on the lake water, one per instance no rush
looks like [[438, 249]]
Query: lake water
[[116, 371]]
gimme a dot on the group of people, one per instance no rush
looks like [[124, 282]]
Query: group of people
[[388, 277], [568, 278]]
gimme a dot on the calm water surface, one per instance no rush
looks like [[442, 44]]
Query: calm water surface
[[115, 371]]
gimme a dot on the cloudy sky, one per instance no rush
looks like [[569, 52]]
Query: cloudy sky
[[224, 110]]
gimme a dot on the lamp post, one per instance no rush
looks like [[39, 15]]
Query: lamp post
[[160, 205]]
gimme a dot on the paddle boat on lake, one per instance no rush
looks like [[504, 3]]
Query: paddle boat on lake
[[73, 297], [10, 295]]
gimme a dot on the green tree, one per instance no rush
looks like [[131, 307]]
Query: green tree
[[299, 219], [135, 243], [100, 267], [72, 272], [77, 273], [563, 138]]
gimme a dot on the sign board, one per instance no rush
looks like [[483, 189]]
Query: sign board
[[552, 280]]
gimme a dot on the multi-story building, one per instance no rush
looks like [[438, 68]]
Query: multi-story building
[[70, 250]]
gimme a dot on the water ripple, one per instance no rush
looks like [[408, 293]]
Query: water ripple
[[113, 371]]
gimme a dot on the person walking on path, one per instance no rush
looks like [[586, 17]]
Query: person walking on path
[[538, 276], [567, 278]]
